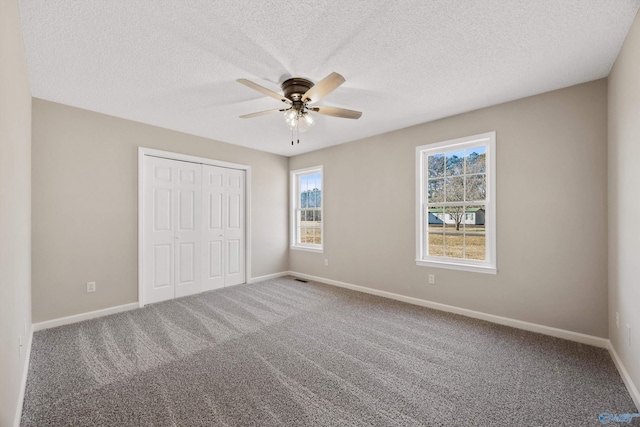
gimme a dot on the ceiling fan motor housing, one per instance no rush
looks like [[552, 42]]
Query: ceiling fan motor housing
[[295, 87]]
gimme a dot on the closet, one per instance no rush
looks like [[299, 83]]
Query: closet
[[193, 228]]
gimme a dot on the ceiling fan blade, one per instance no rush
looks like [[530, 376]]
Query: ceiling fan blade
[[260, 113], [264, 90], [337, 112], [323, 88]]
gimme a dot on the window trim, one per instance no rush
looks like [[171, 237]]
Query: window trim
[[489, 265], [294, 191]]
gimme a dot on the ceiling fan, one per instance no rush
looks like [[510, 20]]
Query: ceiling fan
[[299, 95]]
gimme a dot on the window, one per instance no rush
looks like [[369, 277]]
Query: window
[[456, 212], [306, 207]]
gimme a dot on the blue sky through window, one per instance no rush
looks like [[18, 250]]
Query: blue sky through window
[[310, 182]]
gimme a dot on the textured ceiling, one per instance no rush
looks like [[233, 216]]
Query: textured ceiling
[[174, 64]]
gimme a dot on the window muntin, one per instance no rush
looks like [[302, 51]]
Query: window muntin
[[307, 208], [456, 204]]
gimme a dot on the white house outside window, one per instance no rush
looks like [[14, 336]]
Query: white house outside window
[[306, 209], [456, 204]]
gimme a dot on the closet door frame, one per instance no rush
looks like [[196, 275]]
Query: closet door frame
[[142, 152]]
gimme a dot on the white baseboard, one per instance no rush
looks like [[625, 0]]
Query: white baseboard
[[267, 277], [23, 381], [631, 387], [519, 324], [83, 316]]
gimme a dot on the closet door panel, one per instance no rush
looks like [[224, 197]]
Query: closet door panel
[[234, 227], [158, 275], [188, 226], [213, 230]]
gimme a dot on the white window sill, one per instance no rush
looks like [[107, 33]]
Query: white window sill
[[307, 249], [460, 267]]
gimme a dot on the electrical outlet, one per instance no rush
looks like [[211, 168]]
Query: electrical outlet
[[617, 320], [628, 334], [326, 262], [432, 279], [91, 286]]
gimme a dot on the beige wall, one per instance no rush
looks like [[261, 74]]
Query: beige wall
[[85, 206], [551, 212], [15, 210], [624, 204]]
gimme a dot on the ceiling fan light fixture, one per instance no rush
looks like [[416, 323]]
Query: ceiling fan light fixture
[[308, 118], [303, 125], [290, 115], [291, 118]]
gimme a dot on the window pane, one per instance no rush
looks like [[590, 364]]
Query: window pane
[[454, 189], [318, 198], [306, 235], [475, 234], [435, 190], [475, 158], [314, 181], [475, 246], [477, 220], [435, 166], [303, 200], [476, 187], [304, 183], [434, 220], [311, 199], [454, 244], [317, 216], [454, 164], [453, 218], [436, 244], [317, 236]]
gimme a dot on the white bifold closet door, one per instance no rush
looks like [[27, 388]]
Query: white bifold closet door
[[193, 232], [223, 230]]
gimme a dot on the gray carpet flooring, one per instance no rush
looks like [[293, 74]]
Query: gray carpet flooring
[[281, 352]]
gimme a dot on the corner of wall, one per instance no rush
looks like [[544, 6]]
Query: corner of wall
[[623, 150], [15, 214]]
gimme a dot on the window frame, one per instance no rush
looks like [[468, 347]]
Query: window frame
[[295, 200], [489, 265]]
